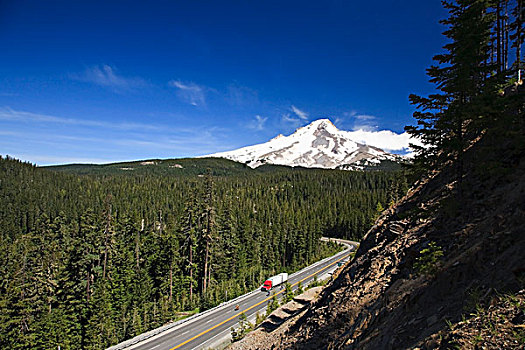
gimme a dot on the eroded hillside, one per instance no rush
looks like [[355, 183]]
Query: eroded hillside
[[444, 268]]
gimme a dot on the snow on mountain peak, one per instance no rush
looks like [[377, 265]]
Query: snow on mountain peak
[[319, 144], [318, 124]]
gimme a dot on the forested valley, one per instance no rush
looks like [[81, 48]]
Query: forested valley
[[90, 260]]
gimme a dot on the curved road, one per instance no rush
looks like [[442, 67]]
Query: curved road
[[212, 327]]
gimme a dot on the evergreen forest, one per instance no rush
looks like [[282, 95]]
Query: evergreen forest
[[87, 261]]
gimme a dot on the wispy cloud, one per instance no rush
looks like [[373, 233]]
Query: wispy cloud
[[190, 92], [358, 121], [365, 129], [257, 123], [290, 120], [106, 76], [241, 96], [9, 114], [301, 114], [47, 139], [385, 139], [296, 118], [53, 160], [365, 122]]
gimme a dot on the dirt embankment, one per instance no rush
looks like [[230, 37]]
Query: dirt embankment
[[444, 268]]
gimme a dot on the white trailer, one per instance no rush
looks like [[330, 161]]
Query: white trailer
[[274, 281]]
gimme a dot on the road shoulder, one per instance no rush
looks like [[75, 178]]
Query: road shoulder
[[278, 322]]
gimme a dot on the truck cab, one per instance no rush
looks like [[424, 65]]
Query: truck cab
[[267, 285]]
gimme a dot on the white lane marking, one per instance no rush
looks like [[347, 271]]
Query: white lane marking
[[225, 333], [185, 332], [156, 346], [221, 308], [210, 320]]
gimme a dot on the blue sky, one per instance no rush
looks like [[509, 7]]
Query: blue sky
[[89, 81]]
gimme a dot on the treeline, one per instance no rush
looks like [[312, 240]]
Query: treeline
[[479, 81], [89, 261]]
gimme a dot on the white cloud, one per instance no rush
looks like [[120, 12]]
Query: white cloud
[[189, 92], [365, 130], [105, 75], [55, 160], [296, 119], [364, 122], [258, 123], [299, 113], [293, 121], [384, 139], [364, 117], [241, 96], [9, 114], [39, 138]]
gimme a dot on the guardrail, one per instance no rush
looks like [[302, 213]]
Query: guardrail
[[144, 336]]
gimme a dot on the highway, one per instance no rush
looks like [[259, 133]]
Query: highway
[[212, 327]]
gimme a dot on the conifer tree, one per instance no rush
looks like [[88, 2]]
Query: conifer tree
[[461, 75], [518, 36]]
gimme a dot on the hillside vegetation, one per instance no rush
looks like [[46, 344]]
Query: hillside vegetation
[[168, 167], [87, 261]]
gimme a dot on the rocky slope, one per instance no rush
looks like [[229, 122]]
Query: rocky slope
[[445, 268], [321, 145], [278, 322]]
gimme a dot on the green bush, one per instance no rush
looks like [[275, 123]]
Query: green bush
[[427, 262], [244, 328], [299, 289], [259, 319], [273, 304], [288, 294]]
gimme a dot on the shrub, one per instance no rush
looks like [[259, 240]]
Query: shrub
[[244, 328], [427, 262]]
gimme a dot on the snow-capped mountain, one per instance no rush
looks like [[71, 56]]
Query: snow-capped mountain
[[317, 145]]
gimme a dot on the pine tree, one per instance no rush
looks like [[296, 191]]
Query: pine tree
[[518, 36], [189, 231], [461, 75]]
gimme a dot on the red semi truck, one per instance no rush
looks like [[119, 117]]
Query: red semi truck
[[274, 281]]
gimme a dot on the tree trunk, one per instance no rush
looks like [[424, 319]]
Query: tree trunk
[[160, 222], [171, 281], [191, 276], [519, 21], [105, 254], [506, 37], [205, 267], [498, 35], [87, 285], [106, 238], [209, 272], [191, 261], [137, 244]]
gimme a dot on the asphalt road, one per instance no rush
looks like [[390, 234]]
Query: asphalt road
[[213, 326]]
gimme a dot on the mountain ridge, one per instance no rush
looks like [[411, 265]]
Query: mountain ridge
[[319, 144]]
